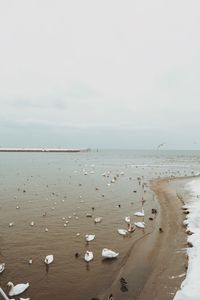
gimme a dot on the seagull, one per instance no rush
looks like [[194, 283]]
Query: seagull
[[17, 289], [160, 145]]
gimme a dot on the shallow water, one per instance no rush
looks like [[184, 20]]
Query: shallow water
[[57, 186]]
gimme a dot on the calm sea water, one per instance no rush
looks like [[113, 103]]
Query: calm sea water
[[52, 188]]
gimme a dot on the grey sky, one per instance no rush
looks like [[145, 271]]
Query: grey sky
[[106, 73]]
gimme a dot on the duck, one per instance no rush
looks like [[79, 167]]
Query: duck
[[2, 267], [89, 237], [122, 231], [88, 256], [48, 259], [107, 253], [17, 289]]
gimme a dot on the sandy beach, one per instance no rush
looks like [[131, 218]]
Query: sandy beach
[[156, 264]]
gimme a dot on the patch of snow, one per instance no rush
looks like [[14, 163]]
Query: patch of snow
[[190, 288]]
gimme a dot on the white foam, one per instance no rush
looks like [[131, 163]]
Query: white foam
[[190, 287]]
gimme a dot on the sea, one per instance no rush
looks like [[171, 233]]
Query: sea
[[48, 203]]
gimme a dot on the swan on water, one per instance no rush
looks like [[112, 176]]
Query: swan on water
[[98, 220], [128, 220], [2, 267], [89, 237], [24, 298], [139, 224], [109, 253], [88, 256], [11, 224], [30, 261], [139, 213], [48, 259], [17, 289], [32, 223], [122, 231]]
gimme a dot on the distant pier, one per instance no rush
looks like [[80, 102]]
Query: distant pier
[[57, 150]]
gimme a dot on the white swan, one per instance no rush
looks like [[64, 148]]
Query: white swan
[[128, 220], [122, 231], [139, 224], [109, 253], [2, 267], [48, 259], [139, 213], [24, 298], [17, 289], [88, 256], [98, 220], [89, 237]]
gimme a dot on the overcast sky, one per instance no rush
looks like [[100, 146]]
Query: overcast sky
[[100, 74]]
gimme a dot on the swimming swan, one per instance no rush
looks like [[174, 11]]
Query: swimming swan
[[139, 224], [2, 267], [48, 259], [139, 213], [17, 289], [122, 231], [88, 256], [128, 220], [89, 237], [109, 253]]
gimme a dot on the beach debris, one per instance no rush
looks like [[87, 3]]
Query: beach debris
[[49, 259], [190, 245], [17, 207], [88, 256], [178, 276], [98, 219], [17, 289], [107, 253], [2, 267], [124, 283], [89, 237], [32, 223], [111, 297], [78, 234], [11, 224], [46, 230], [154, 211], [122, 231], [140, 224]]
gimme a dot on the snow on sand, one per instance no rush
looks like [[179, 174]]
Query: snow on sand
[[190, 288]]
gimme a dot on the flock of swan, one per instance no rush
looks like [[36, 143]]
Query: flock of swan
[[88, 256]]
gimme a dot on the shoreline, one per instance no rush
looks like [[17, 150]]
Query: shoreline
[[156, 264]]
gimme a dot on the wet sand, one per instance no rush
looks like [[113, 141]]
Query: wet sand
[[155, 261]]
